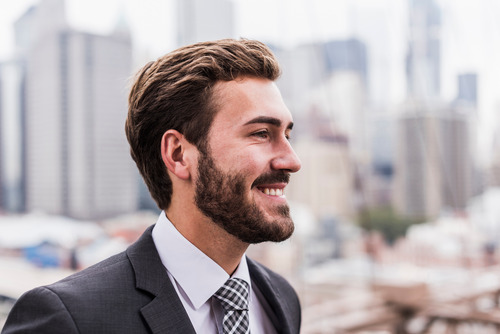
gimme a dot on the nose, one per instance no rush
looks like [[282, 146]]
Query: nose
[[286, 159]]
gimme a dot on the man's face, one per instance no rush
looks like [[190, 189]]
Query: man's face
[[245, 165]]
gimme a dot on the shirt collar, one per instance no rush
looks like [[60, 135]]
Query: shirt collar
[[198, 275]]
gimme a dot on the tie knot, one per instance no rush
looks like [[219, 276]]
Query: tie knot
[[233, 295]]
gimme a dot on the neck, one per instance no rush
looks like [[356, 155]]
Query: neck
[[223, 248]]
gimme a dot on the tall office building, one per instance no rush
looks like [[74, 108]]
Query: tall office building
[[77, 161], [204, 20], [12, 140], [467, 89], [423, 61], [347, 55], [310, 66], [494, 169], [456, 163], [417, 178], [433, 168]]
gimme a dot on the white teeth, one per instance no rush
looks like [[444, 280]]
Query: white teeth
[[273, 192]]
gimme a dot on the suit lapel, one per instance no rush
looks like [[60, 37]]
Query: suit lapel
[[272, 293], [165, 313]]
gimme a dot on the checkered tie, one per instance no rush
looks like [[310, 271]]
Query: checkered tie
[[233, 296]]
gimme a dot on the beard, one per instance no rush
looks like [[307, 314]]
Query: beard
[[222, 197]]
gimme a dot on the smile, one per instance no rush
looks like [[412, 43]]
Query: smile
[[272, 191]]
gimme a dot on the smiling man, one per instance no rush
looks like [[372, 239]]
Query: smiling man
[[210, 133]]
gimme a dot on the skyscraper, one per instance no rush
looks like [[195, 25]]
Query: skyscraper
[[423, 61], [77, 156], [417, 179], [494, 170], [467, 89], [347, 55], [12, 141], [456, 160], [309, 66], [433, 168]]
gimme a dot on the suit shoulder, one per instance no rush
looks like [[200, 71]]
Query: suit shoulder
[[103, 298], [105, 280], [42, 311], [111, 268]]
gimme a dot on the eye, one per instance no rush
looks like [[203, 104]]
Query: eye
[[261, 134]]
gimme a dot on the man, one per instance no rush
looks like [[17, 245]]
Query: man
[[209, 132]]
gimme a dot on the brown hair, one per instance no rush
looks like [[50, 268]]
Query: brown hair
[[176, 91]]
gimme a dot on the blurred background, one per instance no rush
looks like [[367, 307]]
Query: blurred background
[[396, 105]]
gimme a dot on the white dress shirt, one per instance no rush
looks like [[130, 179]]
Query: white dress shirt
[[196, 278]]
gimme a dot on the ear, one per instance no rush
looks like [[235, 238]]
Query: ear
[[173, 153]]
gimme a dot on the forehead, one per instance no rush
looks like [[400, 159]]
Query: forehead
[[240, 100]]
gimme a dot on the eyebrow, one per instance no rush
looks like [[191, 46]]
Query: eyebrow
[[268, 120]]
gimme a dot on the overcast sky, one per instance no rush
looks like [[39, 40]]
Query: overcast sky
[[286, 22]]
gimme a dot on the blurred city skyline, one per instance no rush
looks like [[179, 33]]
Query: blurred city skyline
[[467, 42], [366, 68]]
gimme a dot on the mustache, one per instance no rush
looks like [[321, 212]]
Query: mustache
[[272, 177]]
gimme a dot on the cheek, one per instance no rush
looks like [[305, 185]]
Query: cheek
[[252, 165], [250, 162]]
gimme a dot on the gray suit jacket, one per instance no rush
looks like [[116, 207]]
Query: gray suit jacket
[[131, 293]]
